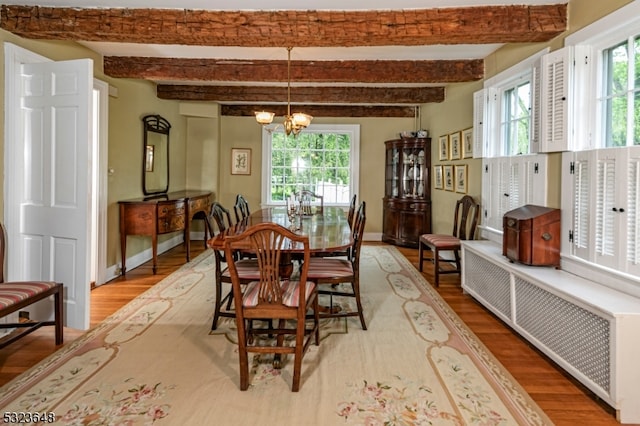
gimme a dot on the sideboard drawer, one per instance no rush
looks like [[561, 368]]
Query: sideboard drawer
[[171, 209], [171, 223], [197, 204]]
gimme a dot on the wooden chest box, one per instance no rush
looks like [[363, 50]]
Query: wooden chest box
[[532, 235]]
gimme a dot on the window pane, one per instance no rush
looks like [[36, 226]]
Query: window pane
[[618, 123], [618, 69]]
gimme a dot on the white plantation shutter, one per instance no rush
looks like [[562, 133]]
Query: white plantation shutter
[[633, 254], [554, 102], [605, 226], [479, 110], [581, 200], [534, 146], [632, 209]]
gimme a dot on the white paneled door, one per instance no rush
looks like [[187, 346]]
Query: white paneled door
[[54, 195]]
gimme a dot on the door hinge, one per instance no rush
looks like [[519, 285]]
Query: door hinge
[[572, 168], [570, 236]]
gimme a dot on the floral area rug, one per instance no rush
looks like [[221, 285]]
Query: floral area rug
[[157, 361]]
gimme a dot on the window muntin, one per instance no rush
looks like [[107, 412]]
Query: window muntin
[[322, 159], [621, 93]]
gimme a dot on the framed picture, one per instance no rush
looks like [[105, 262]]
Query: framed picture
[[443, 142], [461, 178], [437, 177], [455, 146], [148, 161], [467, 143], [240, 161], [447, 175]]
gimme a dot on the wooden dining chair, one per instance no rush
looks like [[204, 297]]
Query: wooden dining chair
[[337, 270], [241, 208], [285, 301], [15, 296], [247, 268], [310, 202], [465, 222]]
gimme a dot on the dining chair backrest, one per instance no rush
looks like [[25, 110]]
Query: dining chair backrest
[[2, 243], [269, 242], [241, 208], [465, 220], [352, 209], [220, 216], [358, 232], [309, 199]]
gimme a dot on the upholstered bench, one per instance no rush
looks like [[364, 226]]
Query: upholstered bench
[[18, 295]]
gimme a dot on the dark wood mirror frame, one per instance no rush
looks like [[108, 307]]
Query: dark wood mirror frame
[[155, 155]]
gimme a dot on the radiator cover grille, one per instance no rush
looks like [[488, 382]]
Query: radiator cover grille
[[488, 280], [577, 335]]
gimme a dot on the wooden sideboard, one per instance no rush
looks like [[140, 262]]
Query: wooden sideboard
[[161, 214]]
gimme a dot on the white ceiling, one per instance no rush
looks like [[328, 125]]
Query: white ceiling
[[335, 53]]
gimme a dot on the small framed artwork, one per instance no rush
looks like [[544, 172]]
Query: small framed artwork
[[240, 161], [447, 175], [443, 143], [455, 146], [467, 143], [461, 178], [148, 161], [437, 177]]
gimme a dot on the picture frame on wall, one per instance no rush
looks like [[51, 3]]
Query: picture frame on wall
[[447, 176], [455, 146], [437, 177], [467, 143], [461, 178], [240, 161], [443, 144]]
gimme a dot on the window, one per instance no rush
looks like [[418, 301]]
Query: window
[[516, 119], [620, 99], [505, 114], [322, 159]]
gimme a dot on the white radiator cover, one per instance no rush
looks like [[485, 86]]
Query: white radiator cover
[[590, 330]]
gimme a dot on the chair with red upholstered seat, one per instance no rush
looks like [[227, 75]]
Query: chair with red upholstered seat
[[465, 221], [247, 268], [20, 294], [338, 270], [273, 296]]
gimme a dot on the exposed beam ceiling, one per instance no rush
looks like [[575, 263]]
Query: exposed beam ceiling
[[237, 77]]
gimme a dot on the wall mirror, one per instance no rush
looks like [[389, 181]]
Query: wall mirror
[[155, 155]]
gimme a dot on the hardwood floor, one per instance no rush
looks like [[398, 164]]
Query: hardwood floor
[[564, 400]]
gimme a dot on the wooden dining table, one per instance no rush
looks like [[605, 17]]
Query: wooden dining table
[[328, 231]]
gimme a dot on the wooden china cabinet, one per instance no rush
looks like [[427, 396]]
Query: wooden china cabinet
[[407, 191]]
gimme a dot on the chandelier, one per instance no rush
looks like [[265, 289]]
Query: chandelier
[[293, 123]]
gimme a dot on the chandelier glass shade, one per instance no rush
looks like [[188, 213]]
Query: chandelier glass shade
[[293, 123]]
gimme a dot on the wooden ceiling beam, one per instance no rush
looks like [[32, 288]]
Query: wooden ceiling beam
[[303, 94], [321, 110], [281, 28], [372, 72]]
